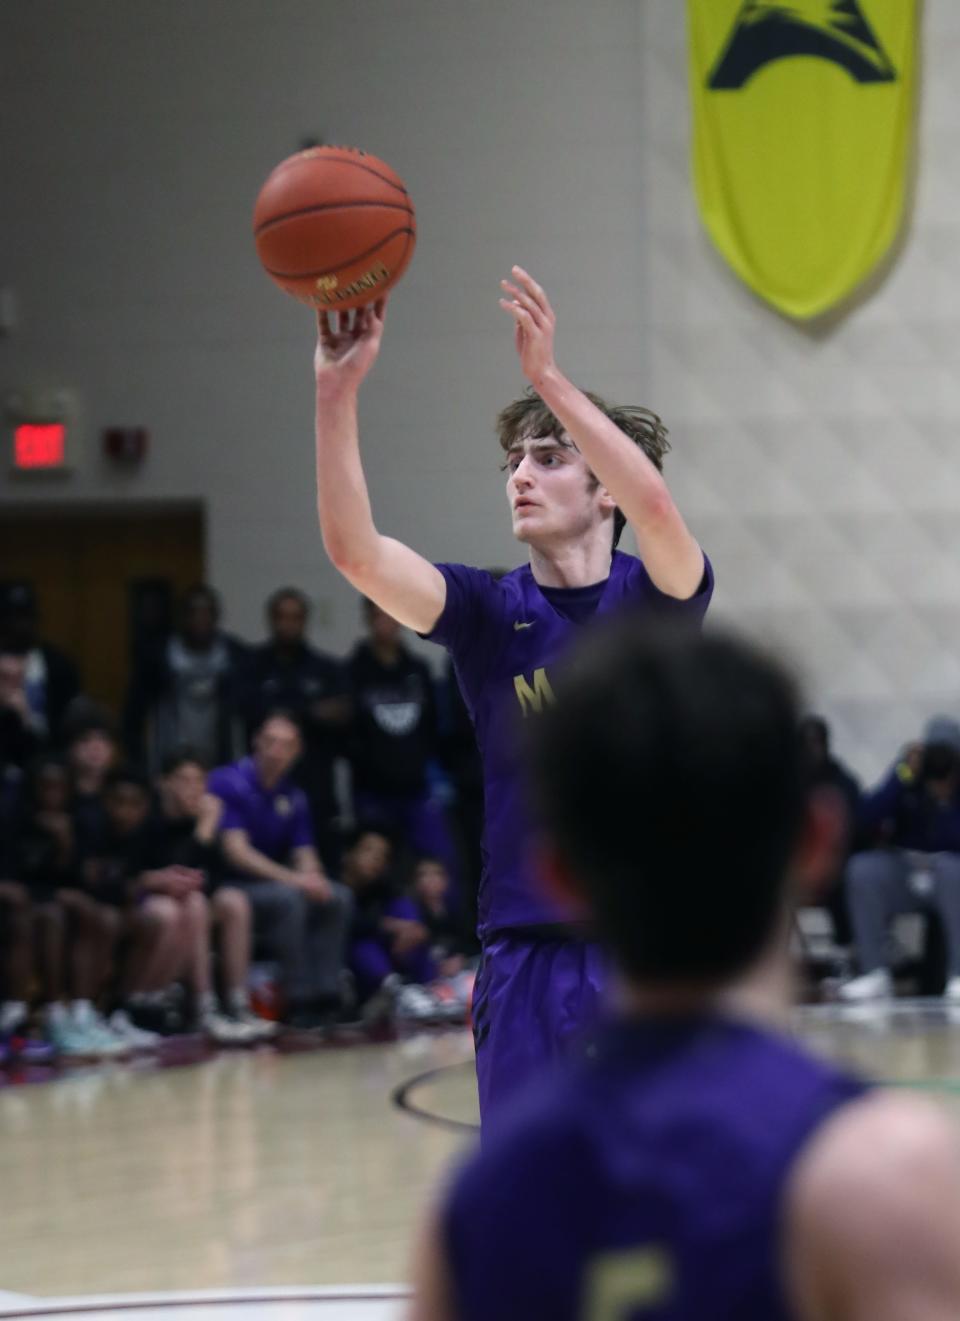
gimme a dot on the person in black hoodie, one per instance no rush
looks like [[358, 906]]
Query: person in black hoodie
[[21, 737], [394, 739], [824, 770], [52, 677], [183, 691]]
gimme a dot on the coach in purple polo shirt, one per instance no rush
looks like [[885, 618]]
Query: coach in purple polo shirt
[[300, 915]]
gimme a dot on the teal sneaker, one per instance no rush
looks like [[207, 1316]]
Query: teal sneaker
[[69, 1039], [106, 1043]]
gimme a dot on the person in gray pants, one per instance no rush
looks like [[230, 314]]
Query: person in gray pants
[[917, 810], [300, 915]]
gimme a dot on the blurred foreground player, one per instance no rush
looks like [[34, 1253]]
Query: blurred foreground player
[[696, 1164], [577, 472]]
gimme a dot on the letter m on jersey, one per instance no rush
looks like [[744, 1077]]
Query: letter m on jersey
[[533, 698], [802, 139]]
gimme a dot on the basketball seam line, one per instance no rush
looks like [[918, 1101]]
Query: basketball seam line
[[359, 165], [362, 256], [327, 206]]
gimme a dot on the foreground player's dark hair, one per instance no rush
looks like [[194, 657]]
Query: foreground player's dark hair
[[670, 776], [529, 418]]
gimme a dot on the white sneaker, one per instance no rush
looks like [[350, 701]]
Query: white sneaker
[[136, 1038], [13, 1014], [876, 985], [951, 991], [225, 1031], [416, 1004], [262, 1029]]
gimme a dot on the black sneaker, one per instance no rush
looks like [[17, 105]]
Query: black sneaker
[[305, 1017], [155, 1014]]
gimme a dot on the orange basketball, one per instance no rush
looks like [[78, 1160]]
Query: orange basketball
[[334, 227]]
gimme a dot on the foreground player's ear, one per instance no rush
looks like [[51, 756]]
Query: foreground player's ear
[[822, 843], [557, 881]]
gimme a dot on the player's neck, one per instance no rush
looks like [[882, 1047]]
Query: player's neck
[[645, 1001], [767, 992], [764, 995], [572, 564]]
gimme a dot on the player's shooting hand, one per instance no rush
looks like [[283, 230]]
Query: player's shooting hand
[[347, 347], [534, 324]]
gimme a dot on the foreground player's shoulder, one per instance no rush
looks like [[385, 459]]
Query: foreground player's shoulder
[[873, 1214]]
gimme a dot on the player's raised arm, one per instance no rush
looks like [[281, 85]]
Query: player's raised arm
[[669, 551], [400, 581]]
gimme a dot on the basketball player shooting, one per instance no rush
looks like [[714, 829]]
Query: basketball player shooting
[[695, 1164], [577, 470]]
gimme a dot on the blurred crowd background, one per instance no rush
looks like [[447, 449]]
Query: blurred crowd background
[[257, 831]]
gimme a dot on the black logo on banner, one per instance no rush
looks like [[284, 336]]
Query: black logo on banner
[[836, 31]]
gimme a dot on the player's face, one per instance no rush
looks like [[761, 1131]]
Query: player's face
[[288, 620], [430, 882], [384, 629], [369, 857], [199, 621], [186, 786], [13, 673], [127, 807], [53, 789], [92, 752], [277, 747], [551, 491]]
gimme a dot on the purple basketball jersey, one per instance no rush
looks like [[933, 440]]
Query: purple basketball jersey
[[646, 1181], [505, 637]]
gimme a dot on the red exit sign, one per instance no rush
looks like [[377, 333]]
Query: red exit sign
[[39, 446]]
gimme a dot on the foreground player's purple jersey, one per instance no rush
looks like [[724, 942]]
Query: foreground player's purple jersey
[[504, 637], [647, 1181]]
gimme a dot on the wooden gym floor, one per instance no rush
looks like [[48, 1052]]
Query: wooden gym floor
[[259, 1169]]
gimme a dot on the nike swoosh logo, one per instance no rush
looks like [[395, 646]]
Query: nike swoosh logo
[[518, 625]]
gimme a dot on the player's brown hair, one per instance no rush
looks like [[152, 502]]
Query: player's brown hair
[[529, 418]]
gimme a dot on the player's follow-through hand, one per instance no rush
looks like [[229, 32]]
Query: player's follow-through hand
[[347, 346], [535, 324]]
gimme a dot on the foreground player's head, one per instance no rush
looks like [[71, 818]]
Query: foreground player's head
[[542, 459], [670, 780]]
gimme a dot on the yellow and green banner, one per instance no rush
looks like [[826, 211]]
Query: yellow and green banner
[[802, 139]]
